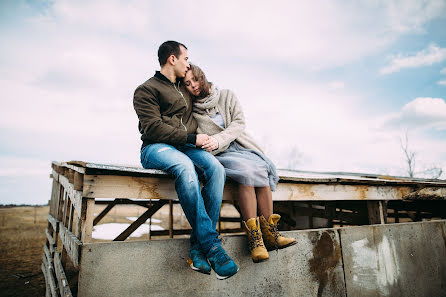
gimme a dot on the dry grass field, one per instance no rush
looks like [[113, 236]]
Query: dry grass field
[[22, 236]]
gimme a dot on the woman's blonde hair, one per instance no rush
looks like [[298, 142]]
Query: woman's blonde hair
[[205, 85]]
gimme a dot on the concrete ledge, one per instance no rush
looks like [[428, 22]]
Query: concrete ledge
[[378, 260], [395, 260], [312, 267]]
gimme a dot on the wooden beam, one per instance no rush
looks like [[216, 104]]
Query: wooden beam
[[428, 193], [47, 253], [71, 243], [106, 186], [376, 212], [78, 181], [104, 212], [47, 284], [170, 219], [75, 196], [64, 287], [50, 276], [141, 220], [50, 239], [54, 223], [87, 216]]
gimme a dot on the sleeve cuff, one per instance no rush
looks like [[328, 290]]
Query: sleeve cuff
[[191, 138]]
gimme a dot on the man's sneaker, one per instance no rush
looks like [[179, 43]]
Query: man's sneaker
[[197, 261], [223, 266]]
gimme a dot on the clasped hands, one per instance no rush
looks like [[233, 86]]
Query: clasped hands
[[206, 142]]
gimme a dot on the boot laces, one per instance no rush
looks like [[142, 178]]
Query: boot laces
[[256, 239], [275, 231]]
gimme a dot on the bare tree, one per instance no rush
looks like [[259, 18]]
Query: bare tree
[[410, 155], [433, 171]]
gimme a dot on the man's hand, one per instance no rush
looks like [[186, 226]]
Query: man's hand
[[210, 144], [201, 138]]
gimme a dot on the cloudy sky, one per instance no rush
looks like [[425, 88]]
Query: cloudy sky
[[326, 86]]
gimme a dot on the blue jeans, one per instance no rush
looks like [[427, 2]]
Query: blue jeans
[[201, 208]]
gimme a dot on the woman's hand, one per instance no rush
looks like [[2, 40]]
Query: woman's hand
[[210, 144]]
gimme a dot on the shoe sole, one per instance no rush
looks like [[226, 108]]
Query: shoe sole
[[225, 277], [191, 264], [281, 247], [261, 260]]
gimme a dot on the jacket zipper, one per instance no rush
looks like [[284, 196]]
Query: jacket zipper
[[185, 102]]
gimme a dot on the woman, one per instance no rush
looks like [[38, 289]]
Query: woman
[[219, 115]]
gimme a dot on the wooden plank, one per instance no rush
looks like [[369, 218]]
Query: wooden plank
[[50, 239], [50, 277], [376, 212], [53, 222], [428, 193], [75, 196], [45, 275], [104, 212], [47, 253], [141, 220], [70, 175], [87, 216], [78, 181], [71, 243], [106, 186], [64, 287], [170, 219]]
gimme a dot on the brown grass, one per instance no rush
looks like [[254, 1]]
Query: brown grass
[[22, 236]]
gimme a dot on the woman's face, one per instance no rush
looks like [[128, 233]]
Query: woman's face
[[192, 85]]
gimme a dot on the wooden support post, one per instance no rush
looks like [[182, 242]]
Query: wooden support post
[[170, 219], [78, 181], [149, 213], [104, 212], [330, 209], [377, 212], [310, 216], [87, 215]]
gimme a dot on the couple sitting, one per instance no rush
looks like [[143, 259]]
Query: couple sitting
[[195, 131]]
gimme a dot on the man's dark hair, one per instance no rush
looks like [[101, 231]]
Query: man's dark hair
[[167, 49]]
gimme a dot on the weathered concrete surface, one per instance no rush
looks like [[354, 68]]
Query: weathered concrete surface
[[313, 267], [395, 260]]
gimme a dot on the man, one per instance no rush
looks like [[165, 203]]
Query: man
[[164, 110]]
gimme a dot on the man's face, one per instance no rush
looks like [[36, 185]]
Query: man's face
[[181, 63]]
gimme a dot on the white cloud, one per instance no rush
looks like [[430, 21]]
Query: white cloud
[[421, 113], [433, 54], [67, 76], [410, 15], [442, 82]]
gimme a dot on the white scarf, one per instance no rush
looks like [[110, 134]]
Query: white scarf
[[208, 104]]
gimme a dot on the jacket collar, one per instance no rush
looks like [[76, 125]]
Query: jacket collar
[[160, 76]]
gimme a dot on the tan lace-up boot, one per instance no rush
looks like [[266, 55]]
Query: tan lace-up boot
[[256, 245], [271, 236]]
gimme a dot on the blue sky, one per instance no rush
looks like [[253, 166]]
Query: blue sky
[[325, 86]]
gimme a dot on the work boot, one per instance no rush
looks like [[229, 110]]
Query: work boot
[[271, 236], [223, 266], [256, 245], [197, 261]]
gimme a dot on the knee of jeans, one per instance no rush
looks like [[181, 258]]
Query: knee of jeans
[[219, 169], [186, 170]]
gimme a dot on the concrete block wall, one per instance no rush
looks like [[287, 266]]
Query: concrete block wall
[[377, 260]]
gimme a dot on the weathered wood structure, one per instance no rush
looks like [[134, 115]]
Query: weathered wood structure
[[303, 199]]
